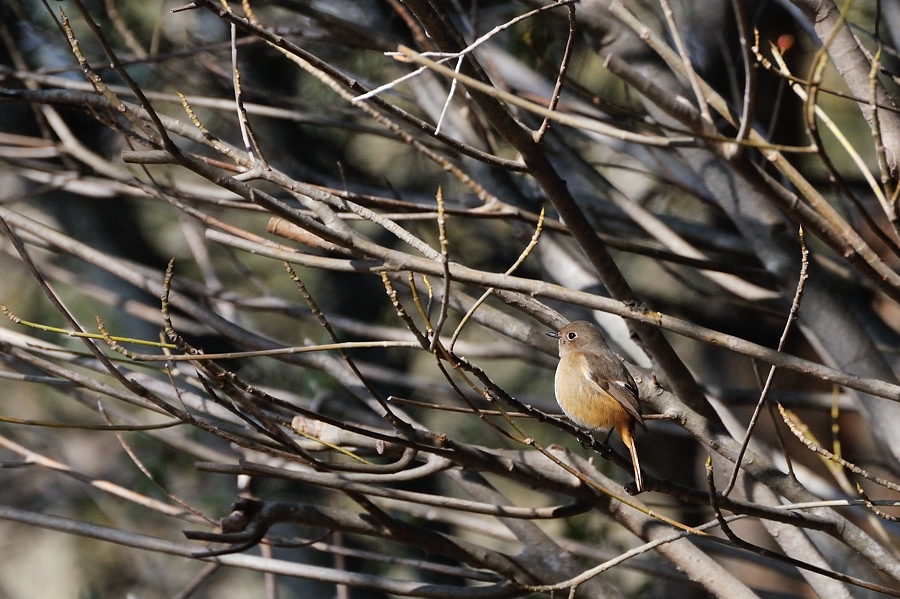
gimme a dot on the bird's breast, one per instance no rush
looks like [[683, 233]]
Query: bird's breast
[[584, 401]]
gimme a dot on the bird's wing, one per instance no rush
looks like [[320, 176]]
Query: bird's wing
[[610, 374]]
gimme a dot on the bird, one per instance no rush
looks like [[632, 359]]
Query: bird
[[594, 388]]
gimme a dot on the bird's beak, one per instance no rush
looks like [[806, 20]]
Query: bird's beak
[[554, 335]]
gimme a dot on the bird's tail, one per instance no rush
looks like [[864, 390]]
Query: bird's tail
[[627, 435]]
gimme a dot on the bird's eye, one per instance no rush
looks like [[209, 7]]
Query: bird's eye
[[571, 336]]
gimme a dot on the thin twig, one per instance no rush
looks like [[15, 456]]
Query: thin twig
[[160, 130], [246, 131], [522, 256], [561, 77], [565, 119], [739, 8], [792, 316], [797, 428], [445, 260], [686, 61]]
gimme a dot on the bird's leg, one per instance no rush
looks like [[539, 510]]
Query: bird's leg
[[608, 435]]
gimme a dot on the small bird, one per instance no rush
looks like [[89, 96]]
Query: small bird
[[594, 388]]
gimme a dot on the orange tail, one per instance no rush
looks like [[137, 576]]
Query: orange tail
[[627, 434]]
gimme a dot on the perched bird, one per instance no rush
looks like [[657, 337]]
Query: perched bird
[[594, 388]]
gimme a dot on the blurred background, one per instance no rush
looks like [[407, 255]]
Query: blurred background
[[687, 145]]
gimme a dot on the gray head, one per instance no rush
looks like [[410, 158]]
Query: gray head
[[580, 336]]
